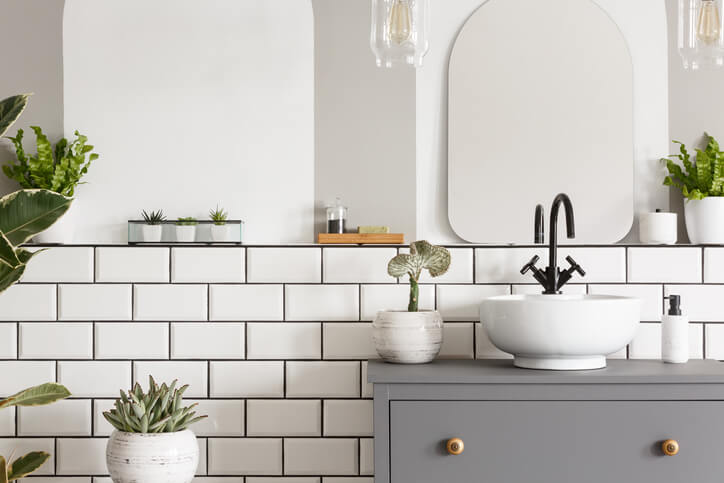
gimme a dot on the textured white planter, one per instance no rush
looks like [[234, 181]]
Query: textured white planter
[[705, 220], [407, 337], [62, 231], [220, 233], [185, 233], [151, 233], [153, 457]]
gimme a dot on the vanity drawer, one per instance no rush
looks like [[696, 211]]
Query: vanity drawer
[[556, 441]]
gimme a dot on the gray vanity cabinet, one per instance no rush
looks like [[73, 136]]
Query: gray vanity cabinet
[[514, 425]]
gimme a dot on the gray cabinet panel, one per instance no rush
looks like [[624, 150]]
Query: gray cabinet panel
[[556, 441]]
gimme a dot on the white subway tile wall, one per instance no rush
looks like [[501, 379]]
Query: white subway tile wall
[[274, 342]]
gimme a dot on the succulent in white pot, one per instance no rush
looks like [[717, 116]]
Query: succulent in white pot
[[412, 336], [702, 184], [151, 442], [152, 230], [186, 229], [220, 229]]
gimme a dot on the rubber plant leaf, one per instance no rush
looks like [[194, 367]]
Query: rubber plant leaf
[[3, 470], [8, 256], [25, 465], [37, 396], [10, 110], [9, 276], [26, 213]]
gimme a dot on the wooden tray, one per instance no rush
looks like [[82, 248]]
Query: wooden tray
[[362, 238]]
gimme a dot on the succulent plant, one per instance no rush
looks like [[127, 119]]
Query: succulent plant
[[422, 256], [157, 411], [153, 218], [187, 221], [218, 216]]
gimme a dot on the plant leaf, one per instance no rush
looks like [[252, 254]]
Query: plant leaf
[[26, 213], [37, 395], [434, 259], [401, 265], [9, 276], [7, 252], [11, 109], [25, 465]]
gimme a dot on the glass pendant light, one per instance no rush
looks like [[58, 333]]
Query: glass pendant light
[[399, 32], [701, 33]]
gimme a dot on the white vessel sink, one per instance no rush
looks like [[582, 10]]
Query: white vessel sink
[[560, 332]]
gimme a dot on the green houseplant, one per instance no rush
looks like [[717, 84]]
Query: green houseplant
[[151, 441], [186, 229], [701, 182], [412, 336], [219, 230], [152, 230]]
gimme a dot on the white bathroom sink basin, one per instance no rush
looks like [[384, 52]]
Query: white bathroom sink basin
[[560, 332]]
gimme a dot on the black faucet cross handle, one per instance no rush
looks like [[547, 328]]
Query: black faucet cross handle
[[530, 265], [575, 267]]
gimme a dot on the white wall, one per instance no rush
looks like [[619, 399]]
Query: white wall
[[643, 24], [191, 104]]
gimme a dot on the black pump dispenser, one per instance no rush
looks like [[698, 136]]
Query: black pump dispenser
[[674, 304]]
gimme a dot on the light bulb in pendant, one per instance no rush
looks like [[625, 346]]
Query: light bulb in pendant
[[708, 25], [400, 21]]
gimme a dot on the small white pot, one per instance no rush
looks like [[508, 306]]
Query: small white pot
[[705, 220], [185, 233], [62, 231], [407, 337], [151, 233], [220, 233], [152, 457]]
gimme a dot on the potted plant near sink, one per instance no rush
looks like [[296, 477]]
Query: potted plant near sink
[[219, 230], [412, 336], [152, 230], [186, 229], [151, 442]]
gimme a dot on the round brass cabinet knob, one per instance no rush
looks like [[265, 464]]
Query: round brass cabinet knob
[[455, 446], [670, 447]]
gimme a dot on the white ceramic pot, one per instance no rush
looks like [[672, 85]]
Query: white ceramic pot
[[705, 220], [62, 231], [407, 337], [220, 233], [153, 457], [185, 233], [151, 233]]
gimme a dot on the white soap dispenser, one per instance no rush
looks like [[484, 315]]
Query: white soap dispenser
[[674, 333]]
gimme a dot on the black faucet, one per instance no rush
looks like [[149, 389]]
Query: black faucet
[[553, 278]]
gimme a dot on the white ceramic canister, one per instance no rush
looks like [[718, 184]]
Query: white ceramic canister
[[657, 228], [407, 337], [705, 220], [151, 233]]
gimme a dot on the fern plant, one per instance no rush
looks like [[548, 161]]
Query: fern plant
[[218, 216], [157, 411], [154, 217], [58, 169], [422, 256], [703, 177]]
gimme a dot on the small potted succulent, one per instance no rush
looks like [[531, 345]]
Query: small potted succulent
[[151, 442], [186, 229], [703, 187], [412, 336], [153, 229], [219, 230]]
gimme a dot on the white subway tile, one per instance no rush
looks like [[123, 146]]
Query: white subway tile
[[715, 341], [82, 456], [101, 427], [7, 422], [602, 265], [502, 265], [696, 341], [284, 265], [60, 264], [568, 289], [457, 341], [322, 302], [367, 456], [94, 302], [207, 340], [246, 302], [70, 417], [254, 456], [28, 302], [367, 387], [484, 347], [18, 375], [355, 265], [647, 343], [348, 418], [247, 379], [323, 379], [279, 340], [131, 340], [225, 417], [701, 303], [21, 446], [132, 264], [95, 378], [284, 418], [193, 373], [205, 264], [321, 456], [660, 264], [202, 468], [219, 479], [348, 340], [651, 297], [460, 271], [713, 265], [288, 479], [63, 479], [462, 302], [56, 340], [347, 479], [8, 341], [393, 297], [170, 302]]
